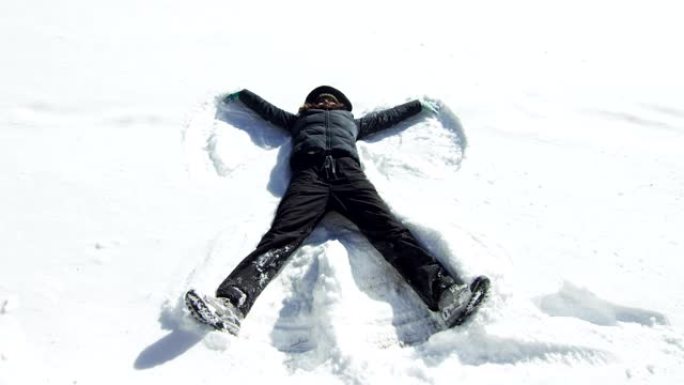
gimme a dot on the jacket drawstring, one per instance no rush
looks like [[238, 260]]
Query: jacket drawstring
[[330, 167]]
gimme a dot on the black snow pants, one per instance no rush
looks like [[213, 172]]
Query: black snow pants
[[336, 184]]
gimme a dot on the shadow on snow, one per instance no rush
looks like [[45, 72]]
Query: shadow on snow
[[174, 344]]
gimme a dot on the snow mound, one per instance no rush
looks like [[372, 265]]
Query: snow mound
[[572, 301]]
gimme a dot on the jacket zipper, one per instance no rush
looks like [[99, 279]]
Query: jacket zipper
[[327, 132], [329, 164]]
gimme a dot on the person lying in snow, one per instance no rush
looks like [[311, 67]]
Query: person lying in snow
[[326, 176]]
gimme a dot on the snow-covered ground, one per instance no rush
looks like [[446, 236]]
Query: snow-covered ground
[[555, 168]]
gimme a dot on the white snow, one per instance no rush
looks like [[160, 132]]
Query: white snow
[[555, 168]]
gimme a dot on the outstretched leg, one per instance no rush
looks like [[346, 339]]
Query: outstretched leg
[[356, 198], [302, 207]]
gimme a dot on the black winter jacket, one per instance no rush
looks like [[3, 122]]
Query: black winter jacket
[[319, 133]]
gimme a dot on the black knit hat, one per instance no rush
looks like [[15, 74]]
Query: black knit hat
[[311, 98]]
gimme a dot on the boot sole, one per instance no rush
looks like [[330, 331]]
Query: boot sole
[[480, 289], [196, 305]]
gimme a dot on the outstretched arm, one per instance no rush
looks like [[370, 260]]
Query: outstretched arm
[[378, 121], [266, 110]]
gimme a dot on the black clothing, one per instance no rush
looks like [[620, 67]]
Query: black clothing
[[327, 132], [313, 192], [327, 176]]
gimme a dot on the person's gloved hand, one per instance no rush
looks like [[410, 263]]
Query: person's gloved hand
[[231, 98], [430, 106]]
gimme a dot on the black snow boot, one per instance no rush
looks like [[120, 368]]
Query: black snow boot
[[459, 302]]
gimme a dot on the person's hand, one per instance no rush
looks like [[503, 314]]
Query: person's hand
[[430, 106], [232, 98]]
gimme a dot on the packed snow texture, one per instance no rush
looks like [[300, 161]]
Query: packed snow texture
[[554, 167]]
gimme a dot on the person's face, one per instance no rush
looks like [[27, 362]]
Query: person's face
[[326, 100]]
